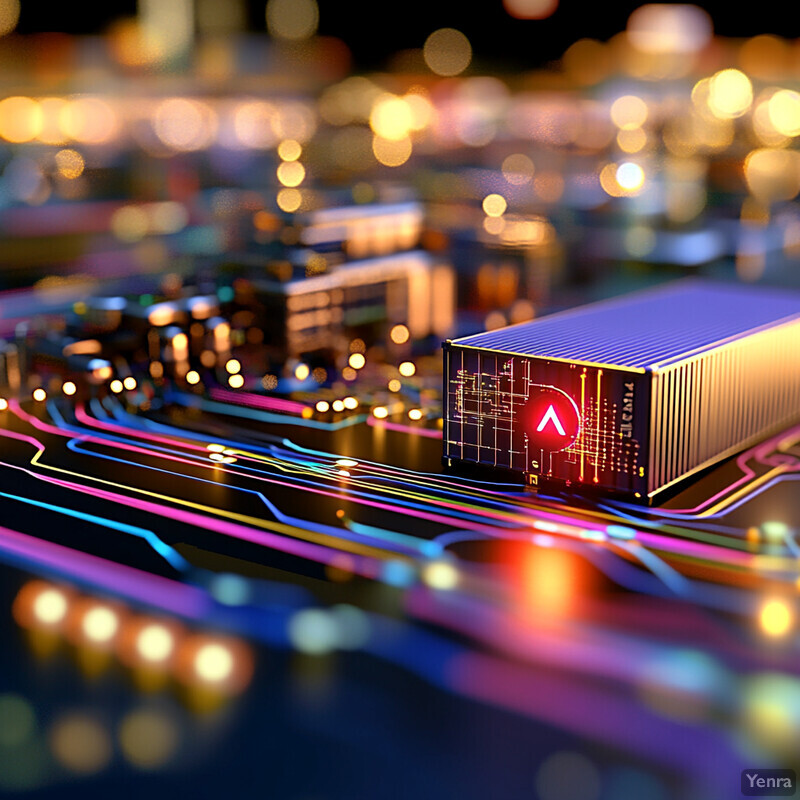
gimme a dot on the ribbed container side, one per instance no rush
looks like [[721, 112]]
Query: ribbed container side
[[716, 403]]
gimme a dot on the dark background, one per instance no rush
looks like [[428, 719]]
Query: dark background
[[375, 30]]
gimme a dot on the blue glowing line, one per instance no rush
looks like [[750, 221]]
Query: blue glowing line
[[324, 472], [670, 515], [289, 444], [791, 544], [667, 574], [658, 523], [755, 493], [338, 533], [453, 537], [138, 423], [73, 445], [290, 448], [425, 546], [362, 494], [171, 555], [621, 573]]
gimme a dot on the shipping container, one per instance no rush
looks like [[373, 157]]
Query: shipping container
[[629, 395]]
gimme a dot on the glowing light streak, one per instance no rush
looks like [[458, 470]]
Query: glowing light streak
[[677, 545], [144, 587], [162, 548]]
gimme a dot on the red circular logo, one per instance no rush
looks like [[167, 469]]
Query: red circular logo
[[551, 418]]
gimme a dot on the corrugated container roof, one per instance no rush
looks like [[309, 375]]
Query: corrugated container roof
[[648, 329]]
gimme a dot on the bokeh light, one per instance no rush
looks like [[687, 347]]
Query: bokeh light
[[399, 334], [214, 662], [19, 720], [440, 575], [99, 624], [530, 9], [70, 163], [630, 176], [291, 173], [313, 631], [669, 28], [9, 16], [184, 124], [81, 743], [494, 205], [392, 152], [290, 150], [730, 93], [155, 643], [629, 112], [391, 117], [518, 169], [407, 369], [148, 738], [289, 200], [357, 361], [21, 119], [447, 52], [773, 174], [219, 664], [293, 20], [50, 607], [784, 112], [90, 120], [775, 618]]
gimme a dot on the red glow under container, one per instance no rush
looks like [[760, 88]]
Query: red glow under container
[[629, 395]]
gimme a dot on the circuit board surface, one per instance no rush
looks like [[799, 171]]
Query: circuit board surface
[[231, 558]]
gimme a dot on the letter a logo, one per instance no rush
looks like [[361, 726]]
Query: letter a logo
[[551, 416], [551, 420]]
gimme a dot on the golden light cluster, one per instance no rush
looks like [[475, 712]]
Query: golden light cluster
[[161, 125], [340, 404], [154, 647]]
